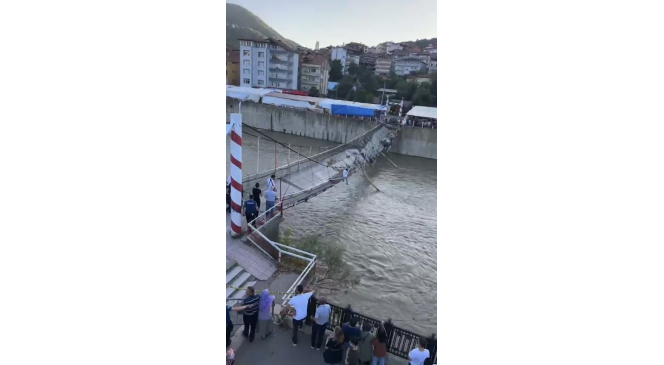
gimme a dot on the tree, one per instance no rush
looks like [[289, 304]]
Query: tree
[[314, 92], [332, 269], [345, 84], [353, 68], [336, 71], [422, 96]]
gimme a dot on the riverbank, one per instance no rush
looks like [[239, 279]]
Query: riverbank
[[413, 141]]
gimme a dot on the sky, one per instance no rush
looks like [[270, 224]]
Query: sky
[[334, 22]]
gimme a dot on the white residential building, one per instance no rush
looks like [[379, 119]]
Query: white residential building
[[268, 63], [340, 53], [405, 66], [345, 57], [315, 73], [383, 66], [433, 64], [391, 47]]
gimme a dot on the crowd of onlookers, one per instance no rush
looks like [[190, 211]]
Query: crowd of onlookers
[[421, 122], [349, 344]]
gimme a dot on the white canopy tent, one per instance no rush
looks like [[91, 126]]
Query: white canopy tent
[[287, 102], [423, 112], [327, 104], [245, 93]]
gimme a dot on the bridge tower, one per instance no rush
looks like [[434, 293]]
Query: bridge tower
[[236, 174]]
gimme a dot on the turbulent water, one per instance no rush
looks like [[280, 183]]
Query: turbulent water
[[390, 235]]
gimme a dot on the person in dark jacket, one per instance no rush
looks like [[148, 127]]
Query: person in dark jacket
[[333, 354], [256, 192], [228, 198]]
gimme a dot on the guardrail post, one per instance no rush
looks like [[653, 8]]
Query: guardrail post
[[258, 153]]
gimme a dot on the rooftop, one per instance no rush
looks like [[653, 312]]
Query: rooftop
[[410, 59], [313, 59], [272, 41]]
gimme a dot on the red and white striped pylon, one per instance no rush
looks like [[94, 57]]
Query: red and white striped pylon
[[236, 174]]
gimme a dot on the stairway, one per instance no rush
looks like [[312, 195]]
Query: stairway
[[236, 276]]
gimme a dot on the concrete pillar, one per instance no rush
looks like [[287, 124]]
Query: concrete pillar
[[236, 175]]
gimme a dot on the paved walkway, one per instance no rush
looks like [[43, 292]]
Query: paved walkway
[[279, 350], [248, 256]]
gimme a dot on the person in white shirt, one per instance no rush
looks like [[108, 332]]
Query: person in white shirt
[[270, 183], [345, 176], [419, 354], [299, 302]]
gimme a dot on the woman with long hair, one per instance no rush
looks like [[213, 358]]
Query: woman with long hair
[[265, 314], [379, 347], [333, 353]]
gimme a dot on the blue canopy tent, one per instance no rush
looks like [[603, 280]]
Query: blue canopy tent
[[355, 111]]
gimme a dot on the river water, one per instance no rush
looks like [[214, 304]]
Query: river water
[[390, 236]]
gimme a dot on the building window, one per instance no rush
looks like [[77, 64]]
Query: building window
[[261, 64], [246, 52], [273, 47], [246, 81], [278, 84], [246, 71], [246, 62], [261, 54], [261, 72], [272, 84], [312, 69], [260, 82], [305, 88]]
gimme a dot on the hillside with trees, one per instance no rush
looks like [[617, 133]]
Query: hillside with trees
[[241, 23]]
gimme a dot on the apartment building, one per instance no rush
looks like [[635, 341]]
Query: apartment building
[[424, 57], [433, 64], [340, 54], [268, 63], [383, 66], [232, 67], [315, 72], [346, 56], [405, 66], [368, 61]]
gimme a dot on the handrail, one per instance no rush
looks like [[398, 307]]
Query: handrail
[[298, 281], [340, 147]]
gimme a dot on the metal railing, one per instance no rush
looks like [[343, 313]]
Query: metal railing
[[278, 250], [399, 341]]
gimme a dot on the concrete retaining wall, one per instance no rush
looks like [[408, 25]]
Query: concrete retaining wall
[[413, 141]]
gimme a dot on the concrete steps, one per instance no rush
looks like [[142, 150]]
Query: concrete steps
[[236, 276]]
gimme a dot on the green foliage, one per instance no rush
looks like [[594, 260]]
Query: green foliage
[[336, 71], [345, 85], [248, 25], [353, 69], [332, 269], [314, 92]]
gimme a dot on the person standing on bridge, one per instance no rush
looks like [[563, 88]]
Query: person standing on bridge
[[256, 192], [270, 199], [250, 210], [271, 185], [345, 175]]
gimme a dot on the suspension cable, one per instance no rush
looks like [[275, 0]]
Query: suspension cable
[[283, 145]]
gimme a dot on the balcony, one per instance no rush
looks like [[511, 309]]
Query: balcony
[[280, 78], [280, 68], [281, 60]]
